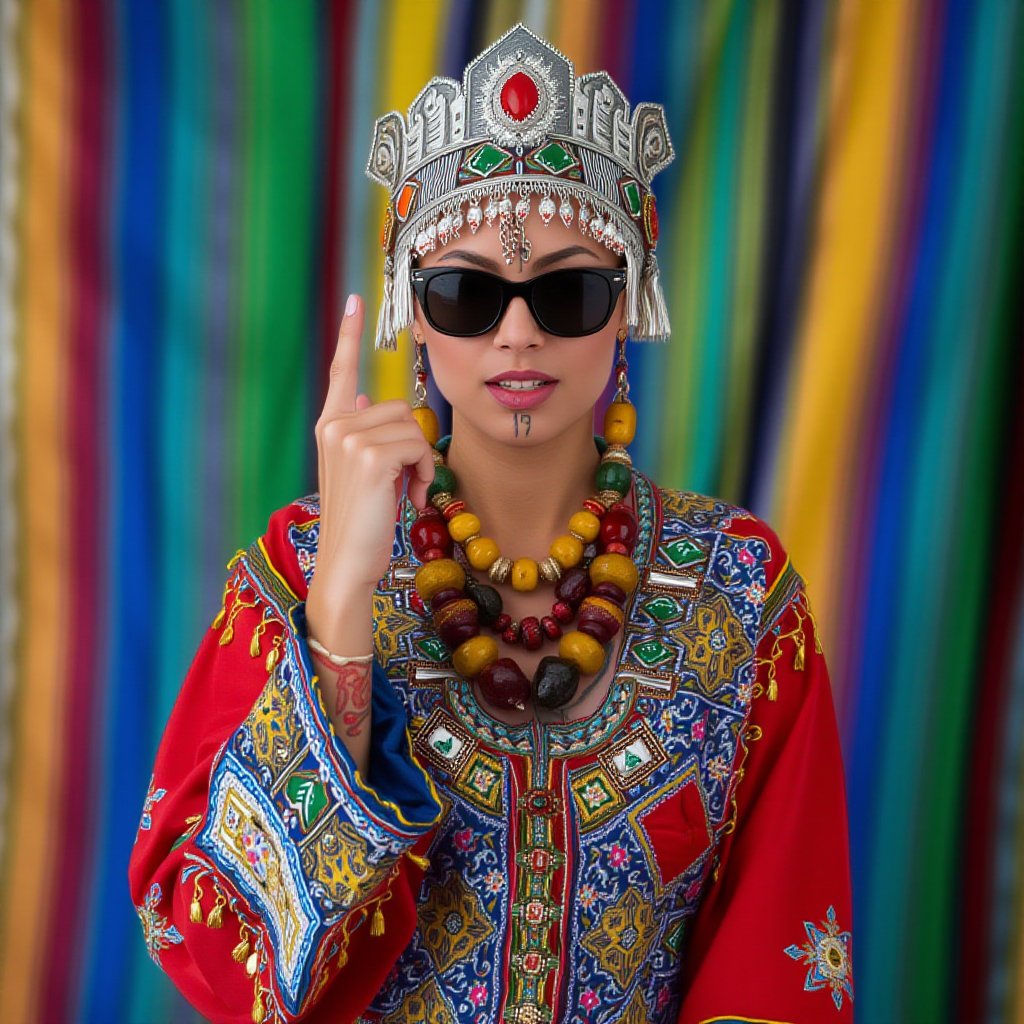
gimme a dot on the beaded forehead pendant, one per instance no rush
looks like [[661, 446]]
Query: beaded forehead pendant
[[521, 128]]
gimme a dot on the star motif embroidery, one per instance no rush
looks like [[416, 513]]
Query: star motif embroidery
[[152, 796], [158, 932], [828, 955]]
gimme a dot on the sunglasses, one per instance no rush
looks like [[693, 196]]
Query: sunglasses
[[567, 303]]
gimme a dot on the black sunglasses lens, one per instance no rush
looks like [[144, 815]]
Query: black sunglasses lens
[[463, 302], [572, 302]]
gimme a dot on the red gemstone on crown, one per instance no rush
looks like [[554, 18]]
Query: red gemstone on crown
[[519, 96]]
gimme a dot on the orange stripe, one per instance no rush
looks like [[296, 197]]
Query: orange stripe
[[867, 95], [36, 763]]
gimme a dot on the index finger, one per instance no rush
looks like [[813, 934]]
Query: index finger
[[344, 374]]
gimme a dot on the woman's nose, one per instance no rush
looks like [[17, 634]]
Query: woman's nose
[[517, 328]]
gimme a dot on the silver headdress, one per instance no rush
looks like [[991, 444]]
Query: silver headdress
[[521, 125]]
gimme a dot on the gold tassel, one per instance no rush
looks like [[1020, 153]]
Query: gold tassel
[[421, 862], [227, 636], [219, 620], [251, 964], [773, 689], [241, 952], [259, 1014], [377, 924], [215, 919], [798, 658], [343, 956], [273, 655], [195, 911]]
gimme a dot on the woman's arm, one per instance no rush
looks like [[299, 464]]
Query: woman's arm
[[266, 865]]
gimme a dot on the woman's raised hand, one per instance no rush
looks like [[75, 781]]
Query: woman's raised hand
[[364, 451]]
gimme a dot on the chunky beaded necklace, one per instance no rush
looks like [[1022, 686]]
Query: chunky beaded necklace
[[596, 590]]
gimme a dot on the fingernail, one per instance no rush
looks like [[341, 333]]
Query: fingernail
[[350, 305]]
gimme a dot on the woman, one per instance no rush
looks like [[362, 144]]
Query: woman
[[596, 778]]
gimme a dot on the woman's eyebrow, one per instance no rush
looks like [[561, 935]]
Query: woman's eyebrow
[[542, 261]]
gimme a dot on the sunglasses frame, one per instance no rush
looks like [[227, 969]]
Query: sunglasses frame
[[421, 278]]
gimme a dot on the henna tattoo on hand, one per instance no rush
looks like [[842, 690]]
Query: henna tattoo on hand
[[352, 691]]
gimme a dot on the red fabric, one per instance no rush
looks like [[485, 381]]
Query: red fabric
[[786, 862], [222, 684]]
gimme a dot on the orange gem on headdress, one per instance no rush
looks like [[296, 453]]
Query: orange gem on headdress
[[519, 96], [403, 204]]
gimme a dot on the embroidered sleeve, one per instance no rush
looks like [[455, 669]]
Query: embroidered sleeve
[[771, 940], [265, 865]]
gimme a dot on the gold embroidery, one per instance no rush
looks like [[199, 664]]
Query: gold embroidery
[[622, 937], [452, 922]]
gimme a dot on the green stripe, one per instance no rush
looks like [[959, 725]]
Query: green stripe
[[984, 330], [750, 202], [276, 318]]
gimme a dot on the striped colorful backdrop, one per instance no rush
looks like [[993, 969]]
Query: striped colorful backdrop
[[184, 209]]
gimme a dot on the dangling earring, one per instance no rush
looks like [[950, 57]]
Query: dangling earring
[[423, 414], [620, 416]]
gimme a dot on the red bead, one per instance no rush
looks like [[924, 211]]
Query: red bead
[[429, 532], [552, 630], [563, 612], [597, 622], [431, 554], [457, 622], [592, 505], [503, 684], [443, 597], [611, 591], [416, 602], [573, 586], [454, 509], [511, 634], [530, 632], [618, 527], [502, 622], [519, 96]]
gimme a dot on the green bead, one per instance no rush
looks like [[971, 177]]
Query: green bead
[[600, 444], [613, 476], [444, 480]]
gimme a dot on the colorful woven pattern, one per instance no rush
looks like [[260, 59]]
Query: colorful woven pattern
[[184, 209]]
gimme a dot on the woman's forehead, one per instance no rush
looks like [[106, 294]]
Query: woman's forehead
[[551, 245]]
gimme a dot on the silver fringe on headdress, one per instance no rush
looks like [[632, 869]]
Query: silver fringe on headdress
[[521, 127]]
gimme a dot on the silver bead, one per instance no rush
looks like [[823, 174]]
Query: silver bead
[[550, 571], [500, 570]]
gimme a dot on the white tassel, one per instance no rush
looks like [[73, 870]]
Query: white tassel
[[653, 314], [384, 338], [632, 286]]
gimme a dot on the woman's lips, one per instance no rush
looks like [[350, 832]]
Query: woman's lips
[[522, 398]]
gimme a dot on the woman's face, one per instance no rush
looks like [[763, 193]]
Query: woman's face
[[580, 366]]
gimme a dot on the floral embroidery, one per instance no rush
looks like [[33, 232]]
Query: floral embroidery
[[587, 896], [152, 796], [589, 1000], [257, 851], [618, 857], [494, 881], [828, 955], [478, 995], [157, 932]]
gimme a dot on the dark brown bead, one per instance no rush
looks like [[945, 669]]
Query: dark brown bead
[[597, 622], [503, 684], [573, 586], [487, 599], [530, 633], [555, 682], [443, 597], [610, 591], [552, 630]]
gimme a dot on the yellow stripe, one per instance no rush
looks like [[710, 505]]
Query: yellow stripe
[[37, 764], [778, 579], [408, 59], [859, 196]]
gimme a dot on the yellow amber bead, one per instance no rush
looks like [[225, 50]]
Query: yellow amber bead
[[463, 526], [524, 574], [584, 651], [472, 656], [617, 569], [586, 524], [482, 553], [567, 551], [427, 419], [440, 574], [620, 423]]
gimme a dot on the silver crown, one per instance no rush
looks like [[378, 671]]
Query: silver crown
[[521, 125]]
